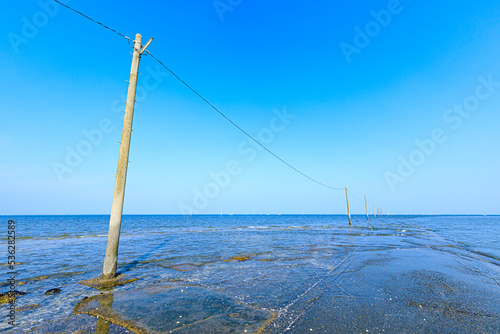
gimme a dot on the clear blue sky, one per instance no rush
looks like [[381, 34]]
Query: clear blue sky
[[363, 81]]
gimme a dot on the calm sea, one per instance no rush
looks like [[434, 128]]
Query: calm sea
[[60, 251]]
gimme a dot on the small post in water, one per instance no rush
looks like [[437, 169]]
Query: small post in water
[[366, 207], [348, 211]]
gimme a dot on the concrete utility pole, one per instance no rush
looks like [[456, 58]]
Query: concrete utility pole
[[348, 211], [366, 207], [111, 257]]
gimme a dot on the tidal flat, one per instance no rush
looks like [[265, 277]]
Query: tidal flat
[[261, 274]]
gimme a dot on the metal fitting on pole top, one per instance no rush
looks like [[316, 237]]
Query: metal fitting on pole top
[[146, 45]]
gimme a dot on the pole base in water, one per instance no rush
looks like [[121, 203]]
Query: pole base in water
[[101, 283]]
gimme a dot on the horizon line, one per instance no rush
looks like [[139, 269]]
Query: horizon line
[[259, 214]]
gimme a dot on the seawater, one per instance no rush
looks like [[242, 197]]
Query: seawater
[[229, 253]]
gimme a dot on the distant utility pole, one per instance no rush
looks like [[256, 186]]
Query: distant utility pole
[[111, 257], [366, 207], [348, 211]]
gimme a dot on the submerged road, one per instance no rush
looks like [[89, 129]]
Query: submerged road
[[394, 277]]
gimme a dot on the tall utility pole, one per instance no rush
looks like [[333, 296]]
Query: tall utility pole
[[111, 257], [366, 207], [348, 211]]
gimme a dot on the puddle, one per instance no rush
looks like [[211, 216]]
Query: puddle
[[80, 324], [175, 308]]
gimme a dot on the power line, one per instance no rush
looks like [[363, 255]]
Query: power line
[[355, 197], [206, 101], [91, 19], [238, 127]]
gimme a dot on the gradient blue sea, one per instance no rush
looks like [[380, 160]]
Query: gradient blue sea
[[60, 251]]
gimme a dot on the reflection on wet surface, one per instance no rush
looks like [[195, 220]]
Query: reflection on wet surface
[[175, 308], [276, 274]]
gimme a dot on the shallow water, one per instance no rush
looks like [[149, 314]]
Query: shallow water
[[312, 271]]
